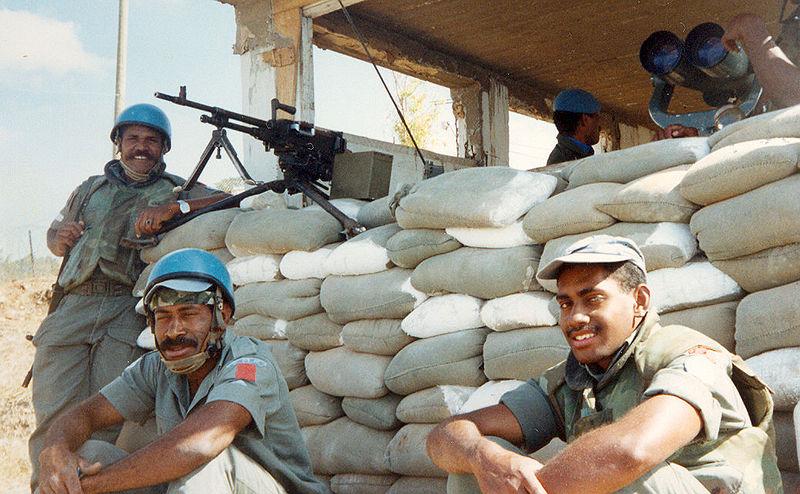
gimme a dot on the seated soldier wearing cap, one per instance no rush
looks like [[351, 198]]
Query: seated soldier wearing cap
[[643, 408], [576, 115], [222, 407]]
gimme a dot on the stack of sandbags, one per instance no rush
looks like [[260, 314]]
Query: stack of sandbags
[[463, 237], [278, 298], [367, 295], [749, 229], [636, 193]]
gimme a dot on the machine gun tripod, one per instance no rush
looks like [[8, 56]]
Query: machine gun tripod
[[305, 156]]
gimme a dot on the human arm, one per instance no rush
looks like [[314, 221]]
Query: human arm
[[629, 447], [204, 434], [779, 77], [460, 445], [674, 131], [60, 240], [58, 460], [151, 219]]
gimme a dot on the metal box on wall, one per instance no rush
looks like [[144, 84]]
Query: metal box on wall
[[363, 175]]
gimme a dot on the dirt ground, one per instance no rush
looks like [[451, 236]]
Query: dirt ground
[[23, 304]]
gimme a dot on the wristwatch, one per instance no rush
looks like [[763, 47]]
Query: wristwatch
[[184, 206]]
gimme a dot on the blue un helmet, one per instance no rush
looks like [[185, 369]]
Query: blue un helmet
[[189, 270], [147, 115]]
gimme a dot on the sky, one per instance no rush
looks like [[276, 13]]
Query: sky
[[57, 85]]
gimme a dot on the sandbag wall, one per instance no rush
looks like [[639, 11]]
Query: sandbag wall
[[437, 309]]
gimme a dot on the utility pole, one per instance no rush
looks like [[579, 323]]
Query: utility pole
[[30, 249], [122, 61]]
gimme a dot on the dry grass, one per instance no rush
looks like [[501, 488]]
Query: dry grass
[[23, 304]]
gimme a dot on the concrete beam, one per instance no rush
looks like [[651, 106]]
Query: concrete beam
[[403, 54], [319, 8]]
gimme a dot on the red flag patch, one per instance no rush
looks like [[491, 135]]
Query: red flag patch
[[246, 372]]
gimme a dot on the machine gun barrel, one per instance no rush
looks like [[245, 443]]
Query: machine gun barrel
[[217, 114]]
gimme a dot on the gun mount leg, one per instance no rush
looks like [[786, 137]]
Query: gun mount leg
[[351, 227]]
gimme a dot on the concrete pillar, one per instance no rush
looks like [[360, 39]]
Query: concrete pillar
[[276, 61], [482, 123]]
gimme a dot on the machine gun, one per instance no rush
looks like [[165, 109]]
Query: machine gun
[[305, 156]]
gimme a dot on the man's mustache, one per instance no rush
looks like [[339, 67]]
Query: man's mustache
[[180, 341]]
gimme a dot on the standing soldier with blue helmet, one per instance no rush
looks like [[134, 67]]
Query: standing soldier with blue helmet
[[222, 407], [89, 336]]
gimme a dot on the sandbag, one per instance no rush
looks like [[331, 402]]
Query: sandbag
[[357, 483], [385, 295], [766, 217], [286, 299], [206, 232], [432, 405], [780, 370], [299, 265], [223, 254], [717, 321], [694, 285], [376, 213], [492, 196], [407, 454], [570, 212], [626, 165], [482, 273], [742, 167], [341, 372], [261, 327], [766, 269], [520, 310], [491, 238], [291, 362], [344, 446], [363, 254], [350, 207], [264, 200], [453, 358], [779, 123], [443, 314], [419, 485], [146, 339], [652, 199], [254, 269], [785, 441], [489, 394], [377, 413], [379, 336], [141, 282], [278, 231], [523, 353], [316, 333], [768, 320], [408, 248], [313, 407], [664, 245]]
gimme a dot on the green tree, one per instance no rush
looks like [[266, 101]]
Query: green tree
[[418, 110]]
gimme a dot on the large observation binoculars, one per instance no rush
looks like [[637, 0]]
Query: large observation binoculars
[[702, 63]]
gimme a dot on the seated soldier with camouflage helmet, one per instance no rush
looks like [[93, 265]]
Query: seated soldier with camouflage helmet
[[643, 408], [222, 407]]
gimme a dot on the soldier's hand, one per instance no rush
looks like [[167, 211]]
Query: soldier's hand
[[66, 236], [59, 471], [152, 219], [674, 131], [742, 28], [498, 470]]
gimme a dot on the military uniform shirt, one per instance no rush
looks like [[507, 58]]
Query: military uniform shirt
[[246, 375]]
